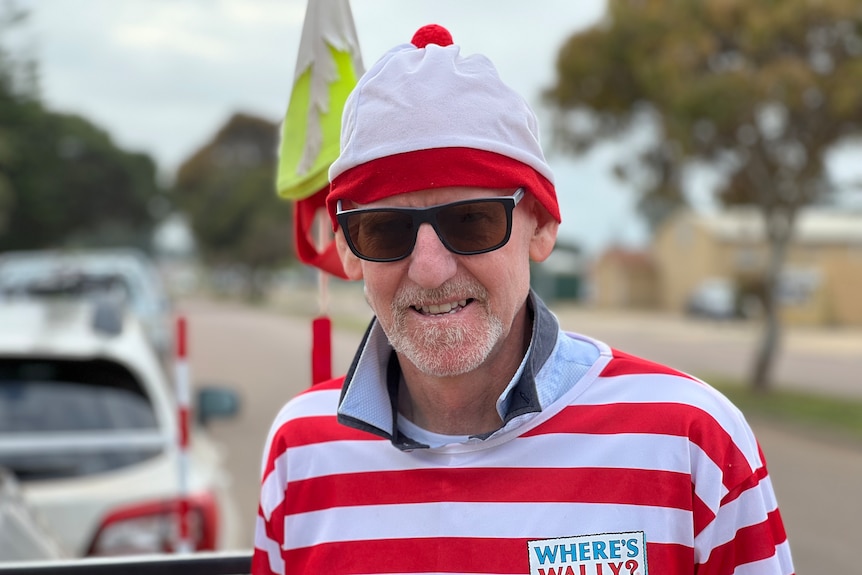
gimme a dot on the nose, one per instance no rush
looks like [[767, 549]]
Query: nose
[[431, 264]]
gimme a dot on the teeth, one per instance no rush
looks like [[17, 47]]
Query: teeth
[[442, 308]]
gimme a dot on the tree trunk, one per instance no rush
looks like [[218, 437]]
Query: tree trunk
[[779, 231], [761, 377]]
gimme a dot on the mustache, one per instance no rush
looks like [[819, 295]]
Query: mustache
[[451, 291]]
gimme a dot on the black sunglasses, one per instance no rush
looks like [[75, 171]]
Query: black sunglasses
[[467, 227]]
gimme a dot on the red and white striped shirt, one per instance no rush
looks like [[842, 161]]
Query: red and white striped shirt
[[632, 453]]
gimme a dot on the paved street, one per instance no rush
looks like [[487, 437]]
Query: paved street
[[823, 361], [265, 354]]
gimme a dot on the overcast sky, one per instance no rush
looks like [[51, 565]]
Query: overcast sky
[[162, 76]]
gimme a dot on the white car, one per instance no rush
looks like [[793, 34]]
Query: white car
[[89, 426], [126, 274], [713, 298], [23, 535]]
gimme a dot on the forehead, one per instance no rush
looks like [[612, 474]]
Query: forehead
[[435, 196]]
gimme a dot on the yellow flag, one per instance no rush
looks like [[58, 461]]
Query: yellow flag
[[327, 67]]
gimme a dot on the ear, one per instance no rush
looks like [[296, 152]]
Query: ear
[[352, 264], [544, 234]]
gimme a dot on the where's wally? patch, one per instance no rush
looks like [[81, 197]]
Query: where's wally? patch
[[601, 554]]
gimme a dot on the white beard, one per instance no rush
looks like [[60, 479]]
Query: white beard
[[444, 350]]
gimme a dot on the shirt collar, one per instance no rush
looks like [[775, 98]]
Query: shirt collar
[[369, 396]]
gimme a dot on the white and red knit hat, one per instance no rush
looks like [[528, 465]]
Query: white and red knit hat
[[426, 117]]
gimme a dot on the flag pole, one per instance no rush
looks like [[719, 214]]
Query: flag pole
[[328, 66], [321, 326]]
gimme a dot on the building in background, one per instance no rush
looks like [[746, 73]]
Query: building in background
[[625, 278], [822, 279]]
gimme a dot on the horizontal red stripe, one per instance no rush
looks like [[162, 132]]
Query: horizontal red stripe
[[752, 543], [667, 559], [663, 418], [325, 385], [450, 555], [437, 167], [440, 555], [750, 482], [627, 364], [260, 563], [309, 431], [320, 429], [503, 485]]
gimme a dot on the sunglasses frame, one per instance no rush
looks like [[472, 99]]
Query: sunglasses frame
[[429, 215]]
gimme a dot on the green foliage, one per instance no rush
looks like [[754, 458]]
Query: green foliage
[[839, 416], [771, 85], [227, 191], [760, 89], [62, 180], [71, 185]]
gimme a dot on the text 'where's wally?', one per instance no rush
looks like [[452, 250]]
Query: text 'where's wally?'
[[600, 554]]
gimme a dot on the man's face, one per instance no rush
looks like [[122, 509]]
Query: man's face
[[446, 313]]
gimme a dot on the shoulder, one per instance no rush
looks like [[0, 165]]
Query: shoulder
[[632, 379], [669, 401], [633, 395], [300, 420], [318, 400], [310, 410]]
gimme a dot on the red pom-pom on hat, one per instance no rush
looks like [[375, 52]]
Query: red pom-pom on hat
[[431, 34]]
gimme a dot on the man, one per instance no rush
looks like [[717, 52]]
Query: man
[[471, 434]]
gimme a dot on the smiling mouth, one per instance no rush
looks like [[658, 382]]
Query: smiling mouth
[[443, 308]]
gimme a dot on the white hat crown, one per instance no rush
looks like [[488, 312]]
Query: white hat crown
[[432, 97]]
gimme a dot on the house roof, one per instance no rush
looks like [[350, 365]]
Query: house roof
[[627, 257], [814, 226]]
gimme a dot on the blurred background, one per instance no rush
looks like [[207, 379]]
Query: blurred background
[[708, 161]]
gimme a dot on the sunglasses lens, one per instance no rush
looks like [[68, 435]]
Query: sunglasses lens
[[468, 227], [381, 235], [474, 227]]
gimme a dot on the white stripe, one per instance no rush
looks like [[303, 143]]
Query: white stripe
[[707, 479], [184, 469], [273, 487], [310, 404], [492, 520], [181, 372], [621, 451], [750, 508], [654, 388], [268, 546]]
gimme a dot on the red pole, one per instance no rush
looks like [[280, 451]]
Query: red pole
[[321, 349], [183, 400], [321, 326]]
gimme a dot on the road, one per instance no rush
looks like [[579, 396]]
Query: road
[[824, 361], [265, 355]]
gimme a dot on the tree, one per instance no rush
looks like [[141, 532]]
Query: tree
[[227, 191], [759, 89], [63, 181], [72, 186]]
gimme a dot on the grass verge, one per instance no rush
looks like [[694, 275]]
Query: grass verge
[[834, 416]]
